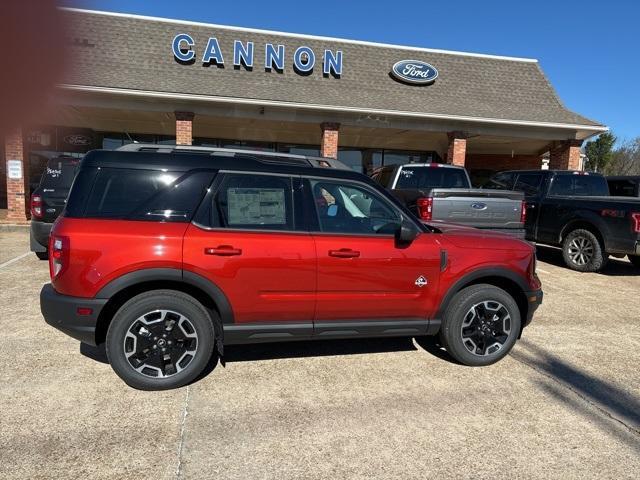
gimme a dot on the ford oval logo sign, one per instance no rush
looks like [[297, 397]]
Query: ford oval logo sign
[[479, 206], [414, 71]]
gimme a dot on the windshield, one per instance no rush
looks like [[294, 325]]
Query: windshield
[[412, 178], [59, 173]]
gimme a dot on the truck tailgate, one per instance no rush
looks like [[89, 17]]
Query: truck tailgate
[[495, 209]]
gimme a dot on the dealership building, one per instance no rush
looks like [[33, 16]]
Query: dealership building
[[142, 79]]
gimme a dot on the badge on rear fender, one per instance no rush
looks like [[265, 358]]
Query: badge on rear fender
[[421, 281]]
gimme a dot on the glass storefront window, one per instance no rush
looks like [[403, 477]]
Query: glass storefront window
[[361, 160], [206, 142], [248, 145], [310, 150], [113, 140], [400, 157]]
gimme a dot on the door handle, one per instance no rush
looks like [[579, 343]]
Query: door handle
[[344, 253], [223, 251]]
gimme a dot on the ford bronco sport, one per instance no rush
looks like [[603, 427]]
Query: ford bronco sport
[[167, 254]]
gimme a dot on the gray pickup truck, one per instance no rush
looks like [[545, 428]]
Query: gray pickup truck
[[438, 192]]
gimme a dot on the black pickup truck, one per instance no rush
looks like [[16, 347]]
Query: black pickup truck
[[574, 210]]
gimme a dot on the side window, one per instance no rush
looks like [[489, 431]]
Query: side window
[[579, 185], [501, 181], [349, 208], [529, 183], [562, 185], [257, 202], [117, 193]]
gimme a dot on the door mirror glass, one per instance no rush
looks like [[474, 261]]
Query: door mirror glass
[[332, 210], [406, 233]]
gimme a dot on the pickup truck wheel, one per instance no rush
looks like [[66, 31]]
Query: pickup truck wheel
[[635, 260], [480, 325], [582, 251], [160, 340]]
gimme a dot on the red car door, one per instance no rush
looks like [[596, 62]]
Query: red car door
[[362, 273], [252, 251]]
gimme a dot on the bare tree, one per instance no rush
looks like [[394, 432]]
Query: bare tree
[[625, 159]]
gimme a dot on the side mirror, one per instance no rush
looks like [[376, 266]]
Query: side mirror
[[406, 233]]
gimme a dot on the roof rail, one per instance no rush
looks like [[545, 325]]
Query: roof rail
[[269, 157]]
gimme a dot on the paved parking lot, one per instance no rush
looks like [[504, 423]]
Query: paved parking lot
[[564, 404]]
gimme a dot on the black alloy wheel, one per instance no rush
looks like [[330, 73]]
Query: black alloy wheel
[[160, 343], [486, 327], [160, 339], [481, 325]]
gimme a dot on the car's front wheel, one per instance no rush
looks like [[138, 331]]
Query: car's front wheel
[[480, 325], [160, 340]]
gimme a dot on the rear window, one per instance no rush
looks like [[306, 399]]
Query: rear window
[[501, 181], [412, 178], [133, 194], [59, 173], [579, 185]]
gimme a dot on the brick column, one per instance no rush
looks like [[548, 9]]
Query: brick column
[[184, 128], [16, 191], [329, 141], [565, 155], [457, 151]]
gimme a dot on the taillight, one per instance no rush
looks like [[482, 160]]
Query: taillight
[[523, 212], [635, 222], [36, 206], [58, 255], [425, 208]]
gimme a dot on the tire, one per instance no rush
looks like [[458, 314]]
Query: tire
[[42, 255], [635, 260], [466, 331], [156, 320], [582, 251]]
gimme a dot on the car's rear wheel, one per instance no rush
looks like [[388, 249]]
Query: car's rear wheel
[[160, 340], [42, 255], [481, 325], [583, 252], [635, 260]]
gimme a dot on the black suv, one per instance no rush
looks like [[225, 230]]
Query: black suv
[[48, 200]]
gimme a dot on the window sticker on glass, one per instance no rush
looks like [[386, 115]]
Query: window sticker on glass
[[406, 173], [256, 206]]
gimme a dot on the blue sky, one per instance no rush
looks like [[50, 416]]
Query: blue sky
[[589, 50]]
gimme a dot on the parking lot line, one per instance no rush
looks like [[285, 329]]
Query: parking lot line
[[13, 260]]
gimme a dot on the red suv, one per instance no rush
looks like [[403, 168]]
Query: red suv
[[166, 254]]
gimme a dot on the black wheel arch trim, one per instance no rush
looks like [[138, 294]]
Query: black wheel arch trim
[[471, 277], [175, 275]]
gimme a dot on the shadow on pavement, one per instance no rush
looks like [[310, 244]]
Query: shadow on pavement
[[614, 402], [616, 266]]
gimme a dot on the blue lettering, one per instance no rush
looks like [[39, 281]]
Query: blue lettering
[[304, 59], [273, 58], [242, 54], [213, 53], [332, 63], [178, 45]]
